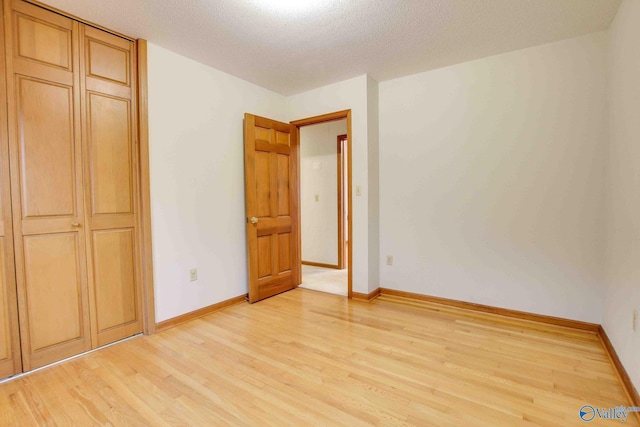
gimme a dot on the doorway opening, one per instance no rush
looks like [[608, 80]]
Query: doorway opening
[[325, 203]]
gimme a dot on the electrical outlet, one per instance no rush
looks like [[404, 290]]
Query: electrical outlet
[[358, 190], [389, 259], [193, 274], [317, 197], [635, 320]]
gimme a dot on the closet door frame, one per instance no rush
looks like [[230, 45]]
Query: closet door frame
[[144, 184]]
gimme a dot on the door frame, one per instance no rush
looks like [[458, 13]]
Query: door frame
[[144, 201], [340, 163], [324, 118], [342, 144]]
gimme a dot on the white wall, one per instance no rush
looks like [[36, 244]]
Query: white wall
[[319, 178], [623, 189], [373, 164], [197, 179], [349, 94], [491, 180]]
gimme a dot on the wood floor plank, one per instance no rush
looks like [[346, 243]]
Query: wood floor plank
[[307, 358]]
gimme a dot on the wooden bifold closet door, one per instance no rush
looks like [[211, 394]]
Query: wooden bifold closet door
[[72, 126]]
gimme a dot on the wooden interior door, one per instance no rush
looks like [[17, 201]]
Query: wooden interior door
[[271, 200], [10, 362], [109, 118], [46, 181]]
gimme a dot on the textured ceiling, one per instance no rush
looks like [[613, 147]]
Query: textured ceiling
[[290, 52]]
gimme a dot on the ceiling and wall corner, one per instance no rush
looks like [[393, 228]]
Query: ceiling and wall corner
[[334, 40]]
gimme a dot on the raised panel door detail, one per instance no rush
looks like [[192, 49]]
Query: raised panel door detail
[[107, 62], [5, 331], [115, 277], [282, 138], [265, 257], [284, 252], [263, 183], [45, 116], [53, 289], [283, 185], [43, 42], [263, 134], [110, 148]]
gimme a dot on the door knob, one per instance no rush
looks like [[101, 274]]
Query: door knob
[[254, 220], [75, 224]]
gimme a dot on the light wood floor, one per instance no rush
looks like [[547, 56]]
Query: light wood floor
[[309, 358]]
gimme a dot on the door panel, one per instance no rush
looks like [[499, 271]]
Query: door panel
[[111, 181], [284, 257], [282, 138], [115, 282], [110, 148], [53, 289], [107, 61], [5, 331], [43, 41], [263, 185], [46, 181], [10, 362], [284, 204], [46, 148], [265, 257], [271, 195]]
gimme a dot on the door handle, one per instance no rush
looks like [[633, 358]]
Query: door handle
[[75, 224], [254, 220]]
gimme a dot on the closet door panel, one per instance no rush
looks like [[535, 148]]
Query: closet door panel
[[110, 61], [10, 362], [111, 166], [111, 183], [43, 41], [53, 289], [115, 278], [5, 331], [46, 144], [47, 184]]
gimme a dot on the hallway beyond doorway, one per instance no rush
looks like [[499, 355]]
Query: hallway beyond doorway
[[323, 279]]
